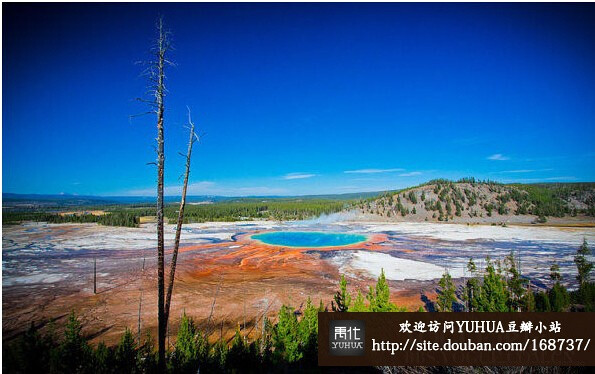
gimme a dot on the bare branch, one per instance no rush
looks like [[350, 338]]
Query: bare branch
[[180, 221]]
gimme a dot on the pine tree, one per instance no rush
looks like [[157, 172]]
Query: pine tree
[[187, 347], [515, 283], [379, 296], [555, 275], [558, 297], [146, 354], [238, 354], [359, 305], [308, 330], [494, 296], [447, 295], [74, 354], [103, 361], [583, 265], [125, 353], [285, 336], [342, 297], [529, 301], [472, 294], [30, 353], [542, 302], [219, 354]]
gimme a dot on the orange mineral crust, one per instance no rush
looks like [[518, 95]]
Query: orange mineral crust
[[220, 284]]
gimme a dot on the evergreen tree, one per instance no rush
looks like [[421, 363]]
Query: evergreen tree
[[516, 284], [472, 294], [359, 305], [125, 353], [471, 267], [583, 265], [104, 359], [146, 354], [219, 355], [342, 297], [379, 296], [494, 296], [529, 301], [238, 357], [558, 297], [30, 353], [187, 349], [555, 275], [446, 294], [585, 296], [542, 302], [74, 354], [286, 336], [308, 331]]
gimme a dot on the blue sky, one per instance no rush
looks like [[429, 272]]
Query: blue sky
[[299, 98]]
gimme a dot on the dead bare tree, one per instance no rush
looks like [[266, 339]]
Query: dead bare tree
[[156, 76], [172, 268], [95, 275], [210, 331], [157, 90], [140, 298]]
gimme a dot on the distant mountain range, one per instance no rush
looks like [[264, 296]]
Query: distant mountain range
[[29, 201], [75, 200]]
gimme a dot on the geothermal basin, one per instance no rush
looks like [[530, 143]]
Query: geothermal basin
[[230, 272]]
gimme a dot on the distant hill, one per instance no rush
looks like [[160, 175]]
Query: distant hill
[[470, 200], [26, 202]]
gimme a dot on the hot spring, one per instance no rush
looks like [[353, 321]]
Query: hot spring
[[308, 239]]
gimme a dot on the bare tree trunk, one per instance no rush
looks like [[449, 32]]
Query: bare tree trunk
[[262, 336], [140, 300], [159, 101], [172, 268], [95, 275], [209, 330]]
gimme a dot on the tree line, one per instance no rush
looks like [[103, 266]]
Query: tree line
[[273, 209], [124, 218], [270, 209]]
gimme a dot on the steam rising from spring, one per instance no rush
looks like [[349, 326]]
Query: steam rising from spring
[[328, 219]]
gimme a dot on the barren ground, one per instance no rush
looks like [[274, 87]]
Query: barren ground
[[222, 273]]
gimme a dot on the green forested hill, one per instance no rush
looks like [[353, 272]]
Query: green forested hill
[[472, 200]]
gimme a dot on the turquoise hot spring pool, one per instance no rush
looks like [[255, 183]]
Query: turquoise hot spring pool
[[308, 239]]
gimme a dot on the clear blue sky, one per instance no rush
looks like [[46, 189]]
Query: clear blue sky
[[299, 98]]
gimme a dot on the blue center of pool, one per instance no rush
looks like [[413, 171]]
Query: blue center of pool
[[308, 239]]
